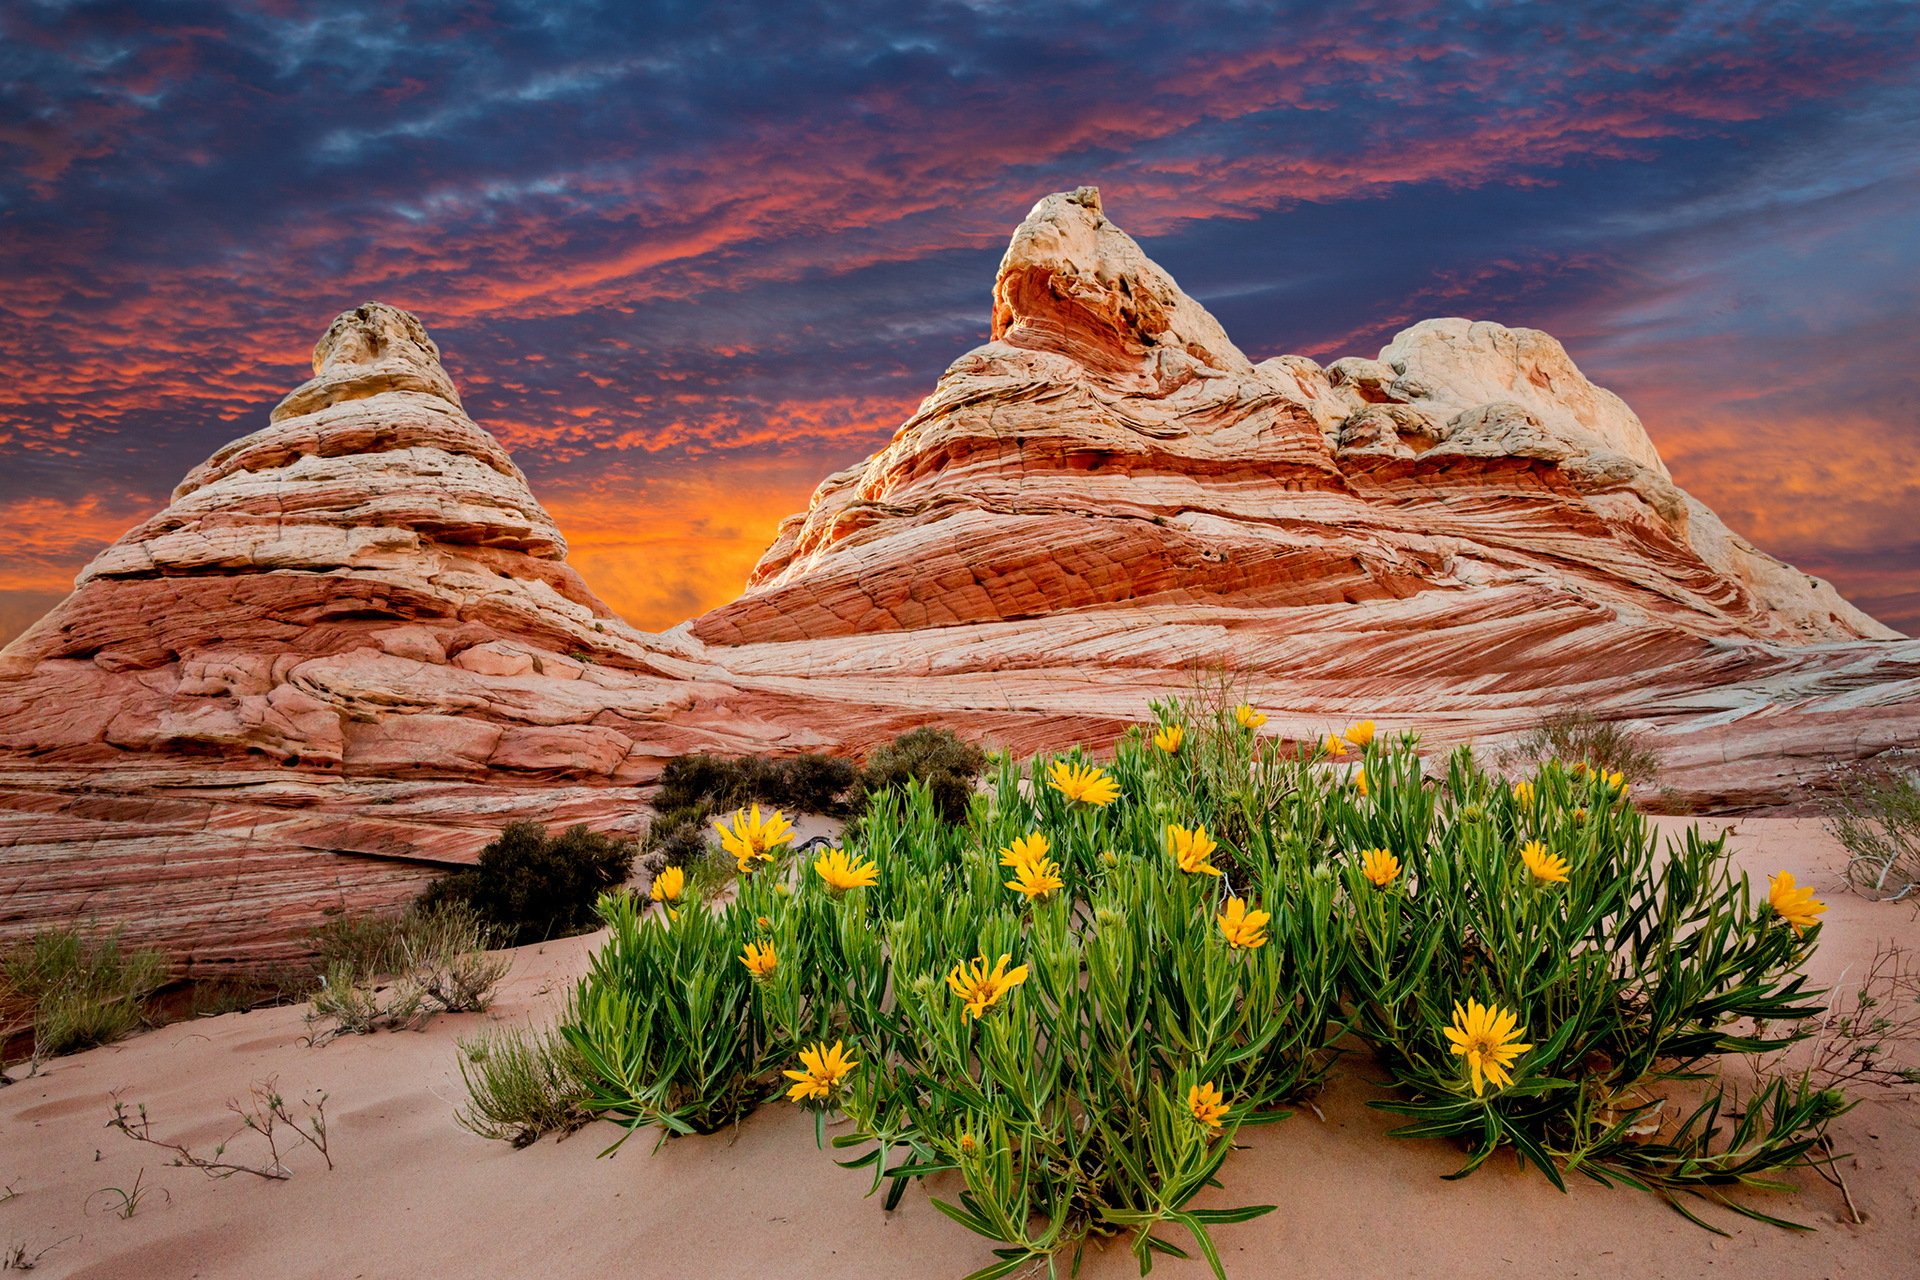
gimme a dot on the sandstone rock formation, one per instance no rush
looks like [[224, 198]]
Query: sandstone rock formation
[[351, 646]]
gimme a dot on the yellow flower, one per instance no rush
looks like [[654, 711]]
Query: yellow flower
[[1333, 747], [1191, 849], [1580, 815], [1170, 737], [1028, 848], [1037, 878], [1483, 1035], [1248, 717], [1523, 794], [842, 873], [1549, 867], [1615, 781], [1360, 781], [668, 885], [1209, 1107], [1083, 783], [749, 838], [980, 988], [1244, 928], [1360, 733], [1379, 866], [1794, 904], [765, 922], [824, 1070], [759, 959]]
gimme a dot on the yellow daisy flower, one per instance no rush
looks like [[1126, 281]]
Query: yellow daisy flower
[[1550, 868], [759, 959], [750, 838], [980, 988], [1028, 848], [842, 873], [1170, 737], [1191, 849], [1360, 733], [668, 885], [1379, 866], [1244, 928], [1247, 717], [1793, 903], [1207, 1104], [1083, 784], [824, 1070], [1484, 1035]]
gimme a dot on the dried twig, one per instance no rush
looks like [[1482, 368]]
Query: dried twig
[[16, 1258], [266, 1113], [1871, 1038]]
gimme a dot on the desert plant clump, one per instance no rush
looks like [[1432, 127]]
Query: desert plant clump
[[1570, 736], [1875, 815], [935, 758], [366, 941], [530, 886], [521, 1084], [79, 991], [435, 961], [806, 783], [1072, 1000]]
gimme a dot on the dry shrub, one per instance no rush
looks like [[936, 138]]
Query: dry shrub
[[79, 991], [1571, 736]]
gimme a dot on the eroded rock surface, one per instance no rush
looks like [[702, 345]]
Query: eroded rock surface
[[351, 647]]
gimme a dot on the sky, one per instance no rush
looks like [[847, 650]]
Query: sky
[[685, 260]]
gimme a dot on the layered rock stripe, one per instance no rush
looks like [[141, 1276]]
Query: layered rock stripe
[[351, 646]]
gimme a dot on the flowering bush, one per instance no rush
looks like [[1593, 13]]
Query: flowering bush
[[1068, 1004]]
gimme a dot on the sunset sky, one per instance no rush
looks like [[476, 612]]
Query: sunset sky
[[686, 259]]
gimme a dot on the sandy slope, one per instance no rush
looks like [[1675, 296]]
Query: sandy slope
[[415, 1196]]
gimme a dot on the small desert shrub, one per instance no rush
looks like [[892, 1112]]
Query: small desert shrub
[[807, 783], [350, 1002], [681, 834], [443, 953], [369, 942], [436, 963], [522, 1084], [1875, 815], [935, 758], [531, 886], [79, 991], [1579, 737]]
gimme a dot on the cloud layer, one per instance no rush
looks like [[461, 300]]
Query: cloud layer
[[687, 259]]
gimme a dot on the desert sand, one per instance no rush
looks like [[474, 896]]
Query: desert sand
[[414, 1195]]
